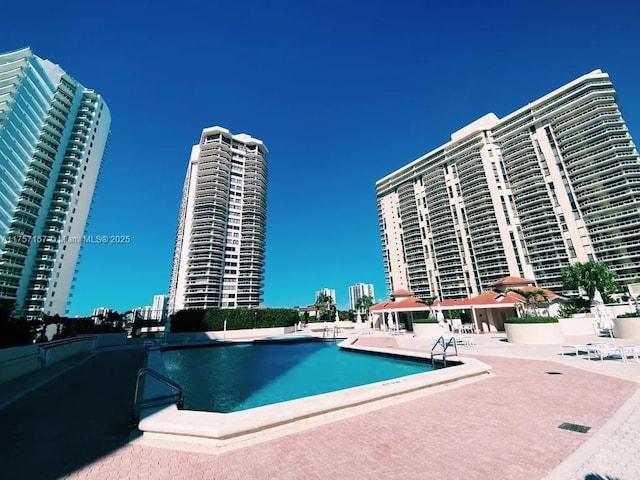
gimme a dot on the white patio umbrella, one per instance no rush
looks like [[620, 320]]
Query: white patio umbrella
[[358, 319], [602, 315], [337, 317], [390, 321]]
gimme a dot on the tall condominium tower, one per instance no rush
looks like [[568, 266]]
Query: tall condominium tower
[[159, 308], [358, 291], [53, 134], [329, 292], [220, 245], [553, 183]]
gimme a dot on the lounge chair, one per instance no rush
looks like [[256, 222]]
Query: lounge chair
[[584, 347], [632, 350], [398, 331], [461, 340], [606, 351]]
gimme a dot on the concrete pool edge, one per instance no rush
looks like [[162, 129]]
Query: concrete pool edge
[[170, 423]]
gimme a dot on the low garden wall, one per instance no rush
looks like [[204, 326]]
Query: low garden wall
[[578, 324], [58, 350], [534, 331], [228, 335], [320, 326], [18, 361], [428, 330], [627, 327], [109, 339]]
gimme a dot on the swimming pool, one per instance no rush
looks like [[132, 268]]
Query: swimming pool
[[232, 378], [168, 423]]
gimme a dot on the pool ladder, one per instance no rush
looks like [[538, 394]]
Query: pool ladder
[[445, 345], [328, 332], [176, 396]]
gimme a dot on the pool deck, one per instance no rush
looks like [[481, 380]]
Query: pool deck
[[224, 431], [70, 421]]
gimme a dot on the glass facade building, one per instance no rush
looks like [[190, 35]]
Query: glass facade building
[[53, 134]]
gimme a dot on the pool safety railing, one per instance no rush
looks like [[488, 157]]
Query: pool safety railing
[[451, 342], [330, 332], [176, 396]]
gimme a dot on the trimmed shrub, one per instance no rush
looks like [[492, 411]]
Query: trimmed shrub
[[575, 305], [237, 319], [629, 315], [17, 332], [188, 321], [425, 320], [531, 320]]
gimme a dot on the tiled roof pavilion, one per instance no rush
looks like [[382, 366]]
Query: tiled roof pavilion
[[487, 310]]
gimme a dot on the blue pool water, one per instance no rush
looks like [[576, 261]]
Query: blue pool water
[[231, 378]]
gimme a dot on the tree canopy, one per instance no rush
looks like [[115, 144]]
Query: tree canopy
[[534, 302], [323, 299], [364, 303], [589, 277]]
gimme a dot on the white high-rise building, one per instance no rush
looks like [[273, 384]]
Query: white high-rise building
[[220, 245], [101, 313], [159, 308], [553, 183], [53, 134], [358, 291], [329, 292]]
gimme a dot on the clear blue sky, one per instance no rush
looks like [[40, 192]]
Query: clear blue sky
[[342, 93]]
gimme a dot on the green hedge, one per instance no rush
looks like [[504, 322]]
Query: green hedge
[[531, 320], [17, 332], [237, 319], [425, 320], [629, 315], [78, 326]]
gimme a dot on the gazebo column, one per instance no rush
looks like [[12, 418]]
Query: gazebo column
[[474, 319]]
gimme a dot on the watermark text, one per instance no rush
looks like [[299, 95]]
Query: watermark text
[[68, 239]]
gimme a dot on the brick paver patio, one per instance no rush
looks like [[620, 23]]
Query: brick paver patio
[[505, 426]]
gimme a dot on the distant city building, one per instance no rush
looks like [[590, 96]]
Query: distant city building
[[328, 292], [159, 309], [553, 183], [358, 291], [101, 313], [220, 245], [143, 313], [53, 133]]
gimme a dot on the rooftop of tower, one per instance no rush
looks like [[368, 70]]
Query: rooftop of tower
[[491, 120], [240, 137]]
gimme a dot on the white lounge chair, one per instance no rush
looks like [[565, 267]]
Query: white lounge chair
[[631, 350], [606, 351], [584, 347]]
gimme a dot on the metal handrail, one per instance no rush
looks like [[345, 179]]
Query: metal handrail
[[452, 341], [160, 399], [65, 341], [327, 330], [445, 345]]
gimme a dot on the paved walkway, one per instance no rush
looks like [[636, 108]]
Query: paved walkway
[[63, 425], [505, 426]]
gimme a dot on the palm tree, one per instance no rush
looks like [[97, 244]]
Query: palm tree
[[323, 304], [364, 303], [589, 277], [532, 299], [429, 303]]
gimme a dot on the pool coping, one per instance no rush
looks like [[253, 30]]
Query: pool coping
[[171, 423]]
